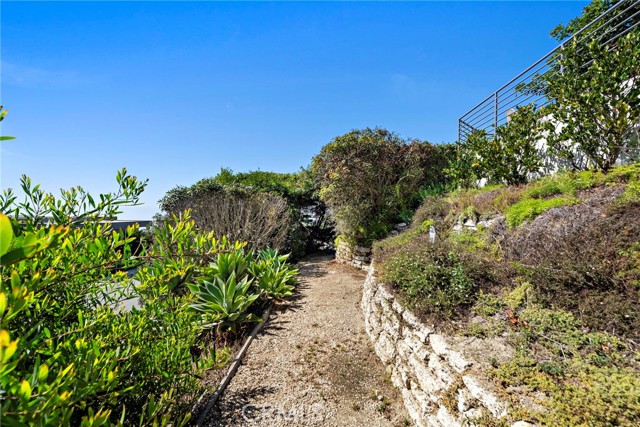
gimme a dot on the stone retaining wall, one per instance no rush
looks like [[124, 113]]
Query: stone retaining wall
[[440, 385], [357, 256]]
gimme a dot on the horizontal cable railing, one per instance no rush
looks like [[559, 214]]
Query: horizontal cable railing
[[493, 111]]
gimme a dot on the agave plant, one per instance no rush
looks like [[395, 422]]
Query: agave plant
[[224, 303], [274, 283], [271, 257], [235, 262], [273, 275]]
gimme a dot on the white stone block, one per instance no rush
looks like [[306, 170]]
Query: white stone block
[[454, 358], [446, 418], [411, 319], [384, 348], [441, 369], [397, 307], [427, 379], [465, 400], [391, 325], [485, 396], [424, 332], [412, 408], [439, 344]]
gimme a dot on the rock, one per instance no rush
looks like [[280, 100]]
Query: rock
[[412, 408], [397, 307], [446, 419], [384, 348], [441, 370], [465, 400], [428, 381], [455, 359], [486, 397], [411, 319], [391, 325]]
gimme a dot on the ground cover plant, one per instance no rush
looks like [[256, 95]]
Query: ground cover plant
[[85, 342]]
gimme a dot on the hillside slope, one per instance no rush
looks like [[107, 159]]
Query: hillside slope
[[554, 267]]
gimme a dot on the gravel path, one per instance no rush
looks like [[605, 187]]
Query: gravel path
[[313, 364]]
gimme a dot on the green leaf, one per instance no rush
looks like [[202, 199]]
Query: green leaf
[[18, 254], [7, 138], [6, 234], [25, 390]]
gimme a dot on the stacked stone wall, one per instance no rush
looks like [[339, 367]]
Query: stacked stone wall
[[355, 256], [440, 385]]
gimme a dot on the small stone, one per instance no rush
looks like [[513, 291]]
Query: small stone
[[470, 223]]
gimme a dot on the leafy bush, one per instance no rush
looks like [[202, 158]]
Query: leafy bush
[[431, 276], [241, 213], [301, 192], [298, 188], [511, 157], [369, 177], [71, 354]]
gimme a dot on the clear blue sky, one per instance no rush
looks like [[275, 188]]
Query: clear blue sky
[[175, 91]]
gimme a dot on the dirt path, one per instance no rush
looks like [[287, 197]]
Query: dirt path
[[312, 364]]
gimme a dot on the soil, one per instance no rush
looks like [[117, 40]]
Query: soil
[[313, 364]]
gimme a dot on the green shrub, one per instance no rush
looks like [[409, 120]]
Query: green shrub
[[369, 177], [432, 277], [586, 378], [510, 157], [71, 355], [596, 96]]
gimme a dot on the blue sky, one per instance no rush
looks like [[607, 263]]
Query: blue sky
[[175, 91]]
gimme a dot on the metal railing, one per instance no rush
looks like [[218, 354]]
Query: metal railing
[[494, 110]]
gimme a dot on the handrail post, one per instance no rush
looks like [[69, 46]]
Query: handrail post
[[495, 114]]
